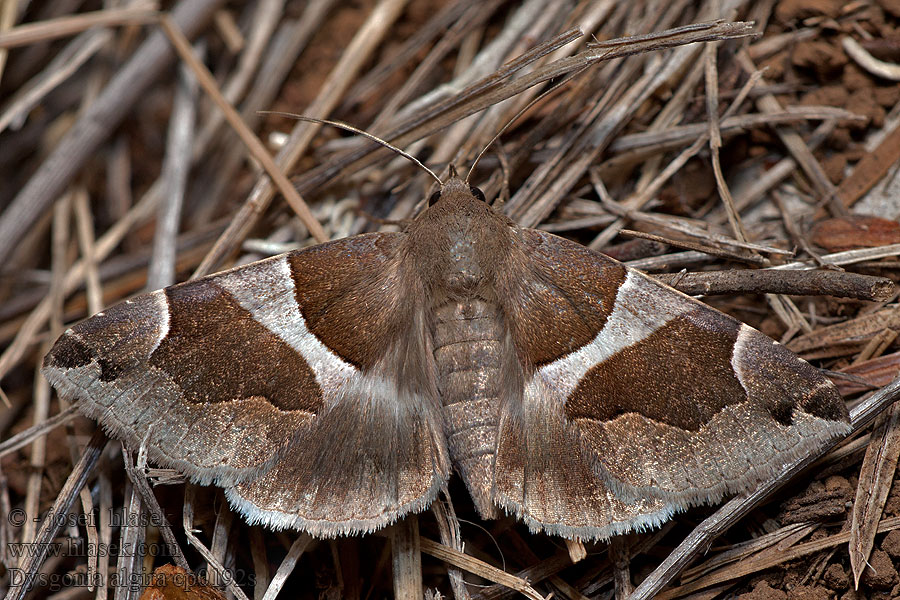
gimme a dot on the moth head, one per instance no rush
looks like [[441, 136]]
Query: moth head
[[456, 191], [459, 211], [438, 194]]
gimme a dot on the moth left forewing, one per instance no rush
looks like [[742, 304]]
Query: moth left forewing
[[658, 394], [187, 372], [282, 380]]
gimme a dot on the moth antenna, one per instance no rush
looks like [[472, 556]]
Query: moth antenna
[[366, 134], [494, 139], [515, 117]]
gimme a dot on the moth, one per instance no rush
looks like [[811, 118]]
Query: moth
[[334, 389]]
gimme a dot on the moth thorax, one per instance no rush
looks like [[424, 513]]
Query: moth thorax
[[464, 270]]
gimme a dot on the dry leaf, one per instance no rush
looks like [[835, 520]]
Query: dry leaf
[[169, 582], [854, 231]]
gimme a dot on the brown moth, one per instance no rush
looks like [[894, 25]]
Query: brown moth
[[333, 389]]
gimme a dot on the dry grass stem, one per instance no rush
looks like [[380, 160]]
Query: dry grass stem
[[141, 14]]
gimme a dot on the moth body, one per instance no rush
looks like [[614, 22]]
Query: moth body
[[459, 244]]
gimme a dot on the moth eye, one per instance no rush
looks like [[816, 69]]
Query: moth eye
[[434, 198], [477, 193]]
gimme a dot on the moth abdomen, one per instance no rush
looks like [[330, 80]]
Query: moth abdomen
[[468, 349]]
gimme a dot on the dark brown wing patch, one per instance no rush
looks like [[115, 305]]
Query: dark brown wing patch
[[680, 375], [354, 299], [217, 352]]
